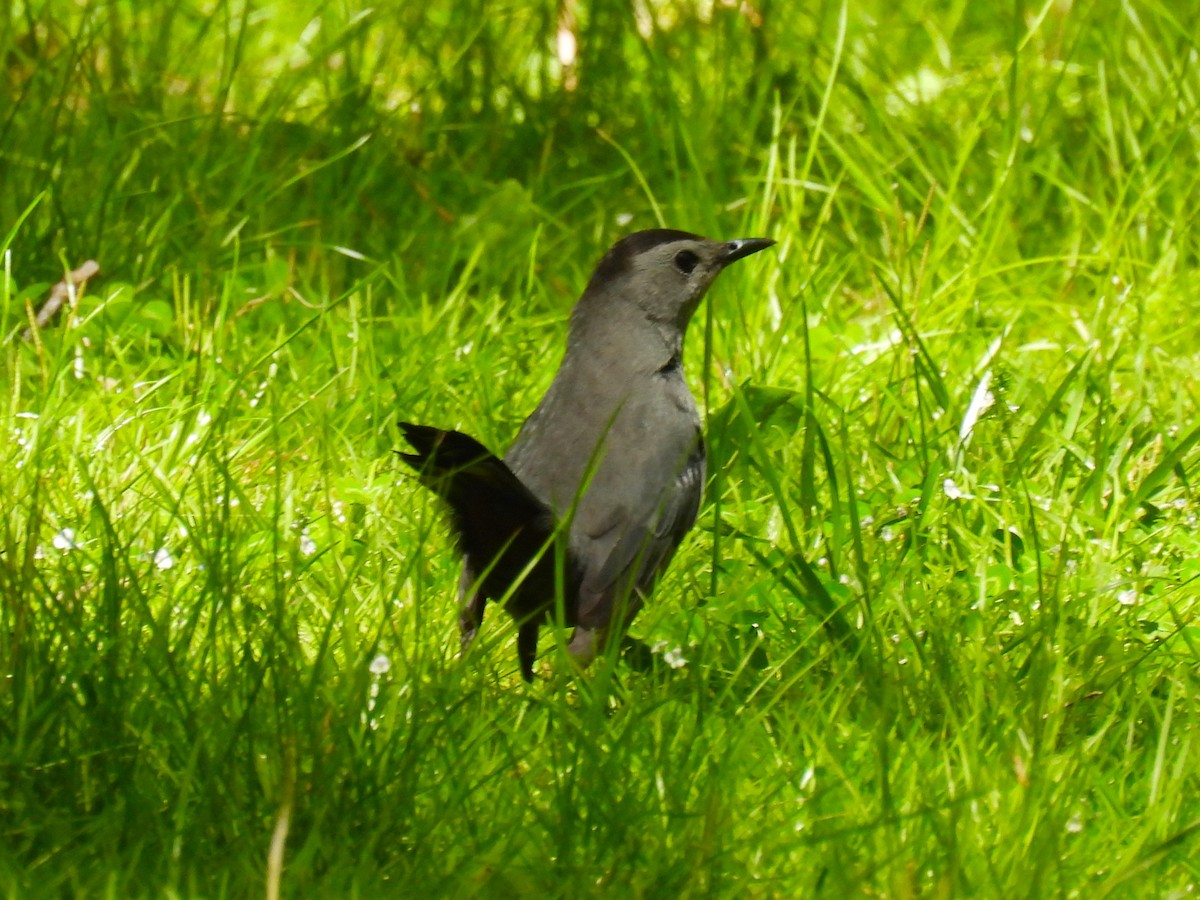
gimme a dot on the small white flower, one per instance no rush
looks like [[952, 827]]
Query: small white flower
[[674, 658], [1128, 597], [1075, 824], [624, 219], [380, 665], [163, 558], [64, 541], [307, 545], [954, 492]]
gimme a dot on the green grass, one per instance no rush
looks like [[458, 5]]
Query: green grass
[[312, 222]]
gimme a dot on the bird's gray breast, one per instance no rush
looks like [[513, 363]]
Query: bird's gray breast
[[608, 448]]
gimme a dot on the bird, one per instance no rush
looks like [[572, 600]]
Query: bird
[[584, 512]]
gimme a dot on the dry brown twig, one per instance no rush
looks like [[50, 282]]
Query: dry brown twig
[[65, 290]]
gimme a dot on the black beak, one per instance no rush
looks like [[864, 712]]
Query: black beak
[[735, 250]]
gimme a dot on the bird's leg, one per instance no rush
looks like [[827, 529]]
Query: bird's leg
[[527, 637], [472, 603], [637, 654], [585, 643]]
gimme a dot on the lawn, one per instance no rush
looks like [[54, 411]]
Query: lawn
[[935, 633]]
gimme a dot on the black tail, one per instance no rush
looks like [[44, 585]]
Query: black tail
[[466, 474], [497, 521], [500, 526], [439, 452]]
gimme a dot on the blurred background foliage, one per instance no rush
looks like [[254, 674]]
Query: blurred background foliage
[[404, 130]]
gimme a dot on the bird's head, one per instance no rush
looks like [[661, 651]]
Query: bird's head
[[663, 273]]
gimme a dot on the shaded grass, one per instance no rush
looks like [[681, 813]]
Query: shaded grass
[[309, 231]]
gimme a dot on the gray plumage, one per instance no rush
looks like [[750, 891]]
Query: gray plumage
[[613, 455]]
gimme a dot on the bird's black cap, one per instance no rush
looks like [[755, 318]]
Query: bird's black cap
[[621, 254]]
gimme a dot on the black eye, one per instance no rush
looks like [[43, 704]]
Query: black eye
[[685, 261]]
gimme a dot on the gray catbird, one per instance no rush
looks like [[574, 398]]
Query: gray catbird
[[605, 477]]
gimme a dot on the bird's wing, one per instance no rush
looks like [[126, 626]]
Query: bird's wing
[[626, 561]]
